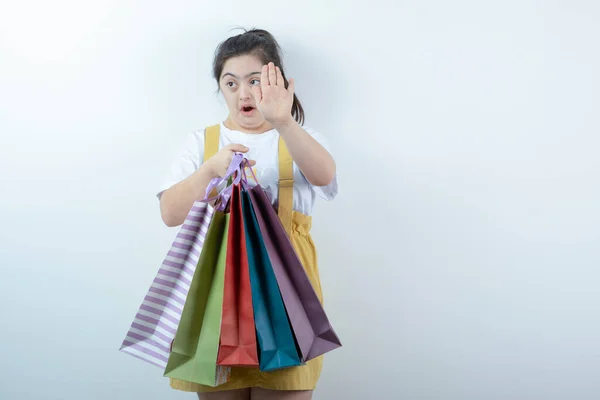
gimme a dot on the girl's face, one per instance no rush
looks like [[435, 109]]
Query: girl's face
[[239, 76]]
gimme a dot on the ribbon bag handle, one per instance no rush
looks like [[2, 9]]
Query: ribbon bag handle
[[234, 167], [244, 182], [233, 171]]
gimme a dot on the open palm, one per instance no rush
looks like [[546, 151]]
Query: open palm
[[273, 100]]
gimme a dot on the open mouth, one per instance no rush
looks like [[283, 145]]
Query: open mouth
[[247, 110]]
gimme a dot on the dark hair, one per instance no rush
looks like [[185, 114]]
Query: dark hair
[[262, 44]]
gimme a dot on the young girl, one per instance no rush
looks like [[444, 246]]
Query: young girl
[[265, 122]]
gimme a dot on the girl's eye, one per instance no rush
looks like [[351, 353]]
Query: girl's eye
[[230, 84], [255, 82]]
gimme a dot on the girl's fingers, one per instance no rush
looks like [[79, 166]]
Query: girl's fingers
[[257, 93], [236, 147], [291, 85], [272, 75], [280, 80], [264, 76]]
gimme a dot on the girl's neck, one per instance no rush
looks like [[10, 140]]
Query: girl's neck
[[234, 126]]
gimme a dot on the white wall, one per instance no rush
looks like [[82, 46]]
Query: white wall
[[460, 260]]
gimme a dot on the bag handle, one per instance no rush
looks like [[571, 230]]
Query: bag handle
[[286, 174], [234, 168]]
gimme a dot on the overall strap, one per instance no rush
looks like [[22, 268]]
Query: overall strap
[[286, 187], [211, 145], [211, 141]]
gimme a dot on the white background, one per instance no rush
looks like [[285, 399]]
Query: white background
[[460, 260]]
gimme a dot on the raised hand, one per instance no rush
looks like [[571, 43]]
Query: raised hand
[[272, 99]]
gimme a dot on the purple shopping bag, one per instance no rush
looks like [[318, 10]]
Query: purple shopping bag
[[314, 334], [152, 331]]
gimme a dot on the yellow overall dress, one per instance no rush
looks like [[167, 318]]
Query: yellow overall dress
[[298, 226]]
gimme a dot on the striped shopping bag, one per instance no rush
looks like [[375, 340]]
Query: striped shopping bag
[[152, 331]]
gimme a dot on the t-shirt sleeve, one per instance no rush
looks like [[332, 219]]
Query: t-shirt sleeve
[[185, 163], [330, 191]]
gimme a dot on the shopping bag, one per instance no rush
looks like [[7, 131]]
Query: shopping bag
[[194, 353], [238, 345], [276, 343], [154, 326], [312, 329]]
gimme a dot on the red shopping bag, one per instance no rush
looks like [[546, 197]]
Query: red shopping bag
[[238, 345]]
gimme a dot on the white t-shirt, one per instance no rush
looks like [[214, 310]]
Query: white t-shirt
[[264, 149]]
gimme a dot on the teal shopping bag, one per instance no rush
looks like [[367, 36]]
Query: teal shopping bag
[[276, 342]]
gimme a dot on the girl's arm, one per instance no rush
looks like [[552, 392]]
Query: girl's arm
[[275, 101], [312, 159], [176, 202]]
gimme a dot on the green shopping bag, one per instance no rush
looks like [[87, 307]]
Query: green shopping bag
[[193, 357]]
